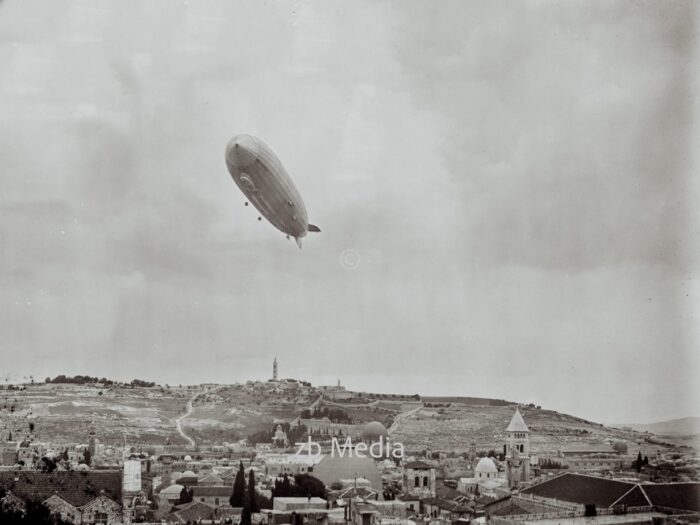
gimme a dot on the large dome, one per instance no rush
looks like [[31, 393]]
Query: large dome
[[374, 430], [486, 466], [334, 468]]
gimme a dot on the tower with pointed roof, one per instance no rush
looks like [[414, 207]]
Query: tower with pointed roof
[[517, 450]]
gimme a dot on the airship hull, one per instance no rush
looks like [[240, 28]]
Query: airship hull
[[259, 174]]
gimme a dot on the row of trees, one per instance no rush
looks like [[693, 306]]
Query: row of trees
[[88, 380], [551, 464], [640, 462], [246, 496], [336, 415]]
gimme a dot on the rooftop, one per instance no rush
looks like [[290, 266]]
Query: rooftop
[[582, 489], [220, 491], [75, 487], [517, 423]]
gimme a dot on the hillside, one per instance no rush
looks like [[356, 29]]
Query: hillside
[[686, 426], [227, 413], [453, 427]]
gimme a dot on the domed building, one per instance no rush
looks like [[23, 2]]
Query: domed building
[[485, 469], [170, 495], [188, 478], [334, 468], [373, 431]]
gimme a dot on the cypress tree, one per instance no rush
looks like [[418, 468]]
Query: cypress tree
[[252, 499], [238, 494]]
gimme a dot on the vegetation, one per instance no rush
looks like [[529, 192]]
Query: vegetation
[[305, 486], [89, 380], [186, 496], [640, 462], [551, 464], [620, 447], [336, 415], [36, 514], [238, 494], [252, 501]]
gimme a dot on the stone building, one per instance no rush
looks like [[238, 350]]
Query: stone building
[[419, 479], [517, 451]]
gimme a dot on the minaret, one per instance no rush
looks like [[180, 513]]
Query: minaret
[[517, 450], [274, 369]]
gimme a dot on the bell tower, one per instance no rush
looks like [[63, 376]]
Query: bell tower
[[517, 450]]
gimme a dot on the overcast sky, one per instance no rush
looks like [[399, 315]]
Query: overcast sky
[[504, 190]]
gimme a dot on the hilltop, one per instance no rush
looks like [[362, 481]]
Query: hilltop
[[686, 426]]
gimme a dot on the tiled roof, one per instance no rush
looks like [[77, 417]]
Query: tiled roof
[[211, 478], [450, 506], [220, 491], [634, 498], [445, 492], [583, 490], [682, 496], [510, 510], [190, 512], [75, 487]]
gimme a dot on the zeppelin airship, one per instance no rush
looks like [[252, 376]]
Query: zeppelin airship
[[259, 174]]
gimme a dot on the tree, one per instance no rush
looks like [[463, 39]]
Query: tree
[[620, 447], [238, 495], [637, 463], [252, 499], [31, 427], [87, 457], [47, 464], [308, 486], [186, 495], [246, 516]]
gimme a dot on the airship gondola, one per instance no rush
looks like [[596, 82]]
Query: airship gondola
[[259, 174]]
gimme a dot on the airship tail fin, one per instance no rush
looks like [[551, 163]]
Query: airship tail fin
[[298, 239], [313, 228]]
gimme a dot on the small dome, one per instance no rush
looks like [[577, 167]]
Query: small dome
[[486, 466], [188, 458], [374, 430], [83, 467], [188, 474]]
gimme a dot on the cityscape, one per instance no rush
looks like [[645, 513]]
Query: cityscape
[[282, 450], [331, 262]]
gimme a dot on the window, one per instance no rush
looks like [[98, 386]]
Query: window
[[416, 482], [101, 517], [216, 501], [425, 481]]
